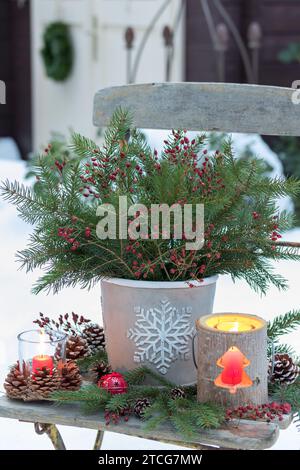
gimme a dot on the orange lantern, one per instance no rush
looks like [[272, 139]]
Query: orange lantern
[[233, 375]]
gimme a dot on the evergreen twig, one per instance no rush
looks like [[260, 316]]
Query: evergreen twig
[[84, 363], [283, 324], [185, 414]]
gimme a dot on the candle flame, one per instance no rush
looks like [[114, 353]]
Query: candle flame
[[235, 327], [233, 323], [42, 343]]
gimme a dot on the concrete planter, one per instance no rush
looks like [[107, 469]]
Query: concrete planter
[[152, 323]]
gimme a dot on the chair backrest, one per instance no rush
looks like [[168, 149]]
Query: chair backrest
[[225, 107]]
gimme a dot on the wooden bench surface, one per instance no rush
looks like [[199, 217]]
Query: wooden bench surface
[[226, 107], [234, 435]]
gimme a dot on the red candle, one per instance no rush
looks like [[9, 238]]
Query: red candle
[[232, 362], [42, 361], [233, 376]]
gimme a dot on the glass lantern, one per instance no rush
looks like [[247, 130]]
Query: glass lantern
[[40, 350]]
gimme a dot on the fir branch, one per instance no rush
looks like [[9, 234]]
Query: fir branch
[[155, 421], [281, 348], [30, 206], [82, 146], [185, 414], [85, 394], [84, 363], [92, 406], [283, 324], [90, 398], [239, 205], [183, 423], [209, 415], [290, 394], [136, 376], [117, 402], [120, 124], [141, 391]]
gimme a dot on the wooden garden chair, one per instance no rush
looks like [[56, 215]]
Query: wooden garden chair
[[220, 107]]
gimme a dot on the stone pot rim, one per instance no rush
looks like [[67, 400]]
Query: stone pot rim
[[160, 284]]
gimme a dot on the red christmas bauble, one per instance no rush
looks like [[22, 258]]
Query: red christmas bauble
[[113, 383]]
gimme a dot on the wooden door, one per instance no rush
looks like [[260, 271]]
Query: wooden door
[[15, 115], [279, 21]]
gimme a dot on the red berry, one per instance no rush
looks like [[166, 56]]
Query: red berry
[[286, 408]]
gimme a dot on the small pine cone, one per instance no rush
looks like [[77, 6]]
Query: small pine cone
[[99, 369], [284, 370], [70, 376], [76, 347], [140, 407], [94, 335], [177, 393], [15, 383], [42, 383]]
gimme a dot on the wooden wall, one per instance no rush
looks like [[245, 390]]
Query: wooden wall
[[200, 58], [280, 24], [15, 115]]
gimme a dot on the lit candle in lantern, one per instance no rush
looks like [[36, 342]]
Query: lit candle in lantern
[[233, 376], [232, 341], [42, 360], [234, 323]]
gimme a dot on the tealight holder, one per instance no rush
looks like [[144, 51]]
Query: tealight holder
[[232, 359], [40, 350]]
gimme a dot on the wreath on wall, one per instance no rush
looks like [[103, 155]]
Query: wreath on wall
[[57, 51]]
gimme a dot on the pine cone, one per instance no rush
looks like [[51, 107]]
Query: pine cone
[[99, 369], [70, 376], [42, 384], [15, 383], [140, 407], [76, 348], [284, 370], [94, 335], [177, 393]]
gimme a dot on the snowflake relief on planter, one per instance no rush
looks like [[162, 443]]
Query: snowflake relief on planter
[[162, 334]]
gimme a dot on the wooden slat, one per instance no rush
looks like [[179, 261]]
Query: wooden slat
[[203, 106], [235, 435]]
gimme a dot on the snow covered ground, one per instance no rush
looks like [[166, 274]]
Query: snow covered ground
[[19, 307]]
